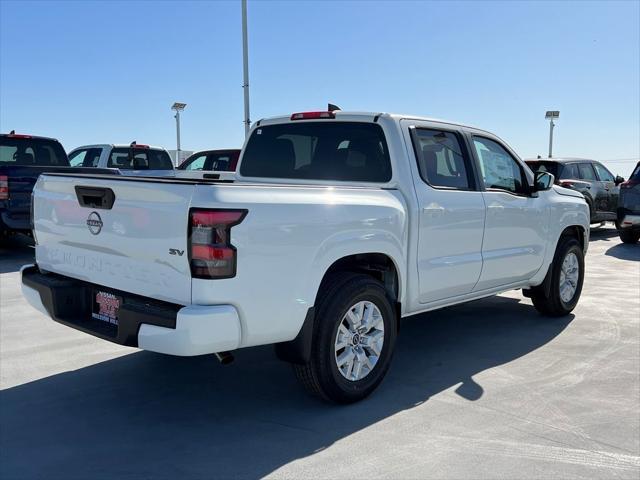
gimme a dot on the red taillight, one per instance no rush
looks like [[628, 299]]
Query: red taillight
[[139, 145], [211, 253], [311, 115], [18, 135], [566, 184], [4, 187], [629, 184]]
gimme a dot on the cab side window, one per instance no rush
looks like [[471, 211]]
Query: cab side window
[[604, 174], [441, 159], [197, 163], [586, 172], [498, 169]]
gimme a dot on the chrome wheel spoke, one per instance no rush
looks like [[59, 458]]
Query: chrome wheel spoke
[[374, 342]]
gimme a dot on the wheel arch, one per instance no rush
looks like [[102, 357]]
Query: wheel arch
[[381, 266]]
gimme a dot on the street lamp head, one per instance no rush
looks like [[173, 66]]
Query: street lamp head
[[177, 106], [552, 114]]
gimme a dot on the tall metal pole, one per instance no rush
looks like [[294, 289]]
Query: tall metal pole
[[245, 66], [551, 125], [178, 137]]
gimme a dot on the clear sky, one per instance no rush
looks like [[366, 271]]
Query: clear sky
[[108, 72]]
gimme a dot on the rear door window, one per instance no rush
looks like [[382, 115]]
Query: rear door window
[[442, 160], [343, 151], [587, 172], [31, 152], [569, 172], [139, 159]]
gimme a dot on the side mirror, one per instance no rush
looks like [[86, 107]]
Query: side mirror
[[542, 181], [619, 180]]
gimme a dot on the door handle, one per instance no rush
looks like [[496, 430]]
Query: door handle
[[434, 210]]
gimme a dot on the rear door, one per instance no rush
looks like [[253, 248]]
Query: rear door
[[451, 212], [608, 183], [599, 195], [136, 244]]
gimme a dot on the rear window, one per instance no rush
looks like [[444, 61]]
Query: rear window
[[31, 151], [139, 159], [343, 151]]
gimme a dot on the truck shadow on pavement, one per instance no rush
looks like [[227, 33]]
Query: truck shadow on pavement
[[624, 251], [155, 416], [15, 252]]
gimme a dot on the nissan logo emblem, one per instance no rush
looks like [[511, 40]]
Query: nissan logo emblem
[[94, 222]]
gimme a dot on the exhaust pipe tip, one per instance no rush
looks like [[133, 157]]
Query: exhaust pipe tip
[[225, 358]]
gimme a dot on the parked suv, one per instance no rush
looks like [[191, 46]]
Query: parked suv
[[589, 177], [133, 159], [335, 226], [215, 160], [629, 208]]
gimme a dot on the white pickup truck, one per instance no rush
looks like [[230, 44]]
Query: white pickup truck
[[134, 159], [335, 226]]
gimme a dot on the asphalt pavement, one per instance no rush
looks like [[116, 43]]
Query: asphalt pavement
[[489, 389]]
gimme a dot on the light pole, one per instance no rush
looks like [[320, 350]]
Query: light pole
[[178, 107], [550, 115], [245, 68]]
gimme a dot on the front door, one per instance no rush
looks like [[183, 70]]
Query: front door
[[451, 214], [516, 223]]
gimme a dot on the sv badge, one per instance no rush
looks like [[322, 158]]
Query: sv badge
[[175, 251]]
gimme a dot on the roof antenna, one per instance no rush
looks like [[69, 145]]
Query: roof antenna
[[333, 108], [12, 132], [132, 144]]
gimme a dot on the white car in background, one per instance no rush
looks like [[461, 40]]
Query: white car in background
[[133, 159]]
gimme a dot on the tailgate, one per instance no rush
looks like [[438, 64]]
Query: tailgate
[[138, 244]]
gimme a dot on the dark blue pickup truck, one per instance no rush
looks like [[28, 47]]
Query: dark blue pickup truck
[[22, 159]]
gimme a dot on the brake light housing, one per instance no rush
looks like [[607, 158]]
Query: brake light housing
[[629, 184], [4, 187], [312, 115], [566, 184], [211, 253]]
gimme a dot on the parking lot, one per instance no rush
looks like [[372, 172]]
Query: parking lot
[[489, 389]]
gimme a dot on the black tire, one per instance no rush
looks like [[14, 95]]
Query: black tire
[[320, 376], [552, 304], [629, 236]]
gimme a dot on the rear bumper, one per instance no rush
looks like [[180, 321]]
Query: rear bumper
[[630, 221], [142, 322], [16, 222]]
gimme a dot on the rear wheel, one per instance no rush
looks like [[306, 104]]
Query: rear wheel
[[629, 236], [567, 276], [353, 341]]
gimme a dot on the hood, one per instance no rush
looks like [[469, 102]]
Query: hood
[[567, 192]]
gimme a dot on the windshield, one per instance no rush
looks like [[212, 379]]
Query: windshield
[[31, 152], [346, 151], [139, 159]]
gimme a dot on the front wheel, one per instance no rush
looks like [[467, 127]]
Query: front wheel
[[567, 276], [353, 340]]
